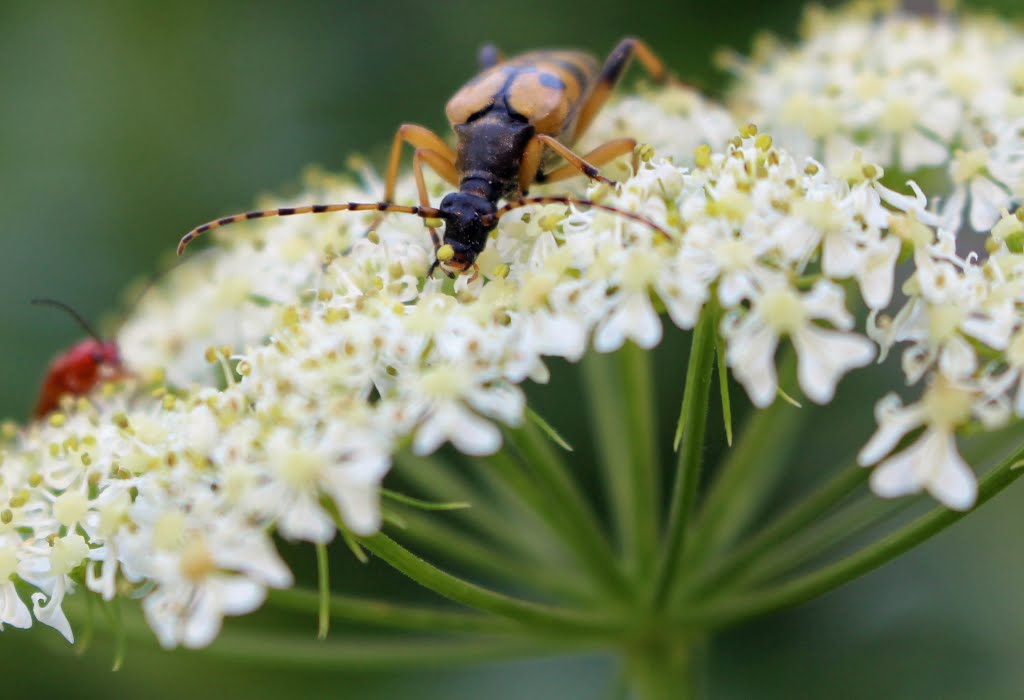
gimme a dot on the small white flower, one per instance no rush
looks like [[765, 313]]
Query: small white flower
[[13, 610], [823, 355], [932, 462]]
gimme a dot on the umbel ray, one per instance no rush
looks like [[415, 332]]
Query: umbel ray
[[512, 121]]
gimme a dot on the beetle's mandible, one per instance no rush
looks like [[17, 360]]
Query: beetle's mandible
[[513, 122]]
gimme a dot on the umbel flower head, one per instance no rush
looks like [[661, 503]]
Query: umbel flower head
[[940, 94], [276, 376]]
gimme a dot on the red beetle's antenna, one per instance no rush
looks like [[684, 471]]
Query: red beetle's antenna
[[74, 314], [422, 212], [558, 199]]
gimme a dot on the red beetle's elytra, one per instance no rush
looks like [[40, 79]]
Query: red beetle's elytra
[[78, 370], [512, 122]]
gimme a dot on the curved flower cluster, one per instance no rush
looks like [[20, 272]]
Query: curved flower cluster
[[296, 357], [912, 92]]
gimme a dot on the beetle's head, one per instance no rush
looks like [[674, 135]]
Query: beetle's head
[[468, 220]]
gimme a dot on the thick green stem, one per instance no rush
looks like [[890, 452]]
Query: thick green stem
[[733, 608], [693, 420], [662, 669], [536, 615]]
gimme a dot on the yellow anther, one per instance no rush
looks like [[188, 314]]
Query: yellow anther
[[702, 156], [445, 253], [335, 315], [763, 142]]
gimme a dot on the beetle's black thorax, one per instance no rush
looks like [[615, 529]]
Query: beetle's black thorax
[[490, 151]]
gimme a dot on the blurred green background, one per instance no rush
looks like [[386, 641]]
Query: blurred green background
[[123, 124]]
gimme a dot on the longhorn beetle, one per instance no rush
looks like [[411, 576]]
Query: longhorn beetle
[[511, 121], [79, 369]]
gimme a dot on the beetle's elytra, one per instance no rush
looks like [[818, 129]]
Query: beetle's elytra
[[513, 123]]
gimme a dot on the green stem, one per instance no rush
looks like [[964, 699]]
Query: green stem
[[636, 384], [443, 482], [536, 615], [755, 559], [373, 653], [832, 532], [748, 476], [662, 669], [323, 571], [245, 642], [611, 438], [693, 421], [380, 613], [567, 508], [794, 520], [462, 548], [557, 538], [731, 609]]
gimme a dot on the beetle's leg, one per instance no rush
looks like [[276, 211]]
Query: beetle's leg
[[444, 168], [574, 162], [599, 156], [529, 166], [420, 137], [489, 56], [614, 67]]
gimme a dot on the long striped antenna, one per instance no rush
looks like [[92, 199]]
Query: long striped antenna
[[422, 212], [558, 199], [74, 314]]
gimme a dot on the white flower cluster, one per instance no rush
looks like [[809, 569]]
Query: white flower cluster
[[293, 361], [963, 326], [942, 98], [914, 93], [302, 352]]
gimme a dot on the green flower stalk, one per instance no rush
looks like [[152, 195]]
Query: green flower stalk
[[279, 378]]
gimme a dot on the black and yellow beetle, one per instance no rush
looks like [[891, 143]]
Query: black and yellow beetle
[[512, 121]]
